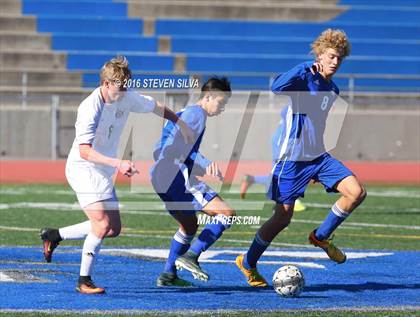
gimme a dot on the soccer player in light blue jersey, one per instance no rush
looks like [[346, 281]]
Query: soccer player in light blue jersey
[[302, 155], [250, 180], [174, 178]]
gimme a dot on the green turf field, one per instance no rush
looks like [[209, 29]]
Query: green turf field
[[388, 219]]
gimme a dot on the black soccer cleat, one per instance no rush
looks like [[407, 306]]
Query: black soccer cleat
[[49, 242]]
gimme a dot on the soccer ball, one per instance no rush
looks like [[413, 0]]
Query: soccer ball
[[288, 281]]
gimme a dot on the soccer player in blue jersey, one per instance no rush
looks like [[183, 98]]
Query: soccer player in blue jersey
[[250, 180], [174, 178], [302, 155]]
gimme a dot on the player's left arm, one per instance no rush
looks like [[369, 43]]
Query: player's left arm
[[213, 170], [203, 166]]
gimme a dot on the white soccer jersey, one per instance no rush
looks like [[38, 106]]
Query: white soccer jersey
[[101, 124]]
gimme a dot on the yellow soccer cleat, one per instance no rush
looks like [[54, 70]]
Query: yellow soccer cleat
[[328, 246], [255, 279], [299, 206]]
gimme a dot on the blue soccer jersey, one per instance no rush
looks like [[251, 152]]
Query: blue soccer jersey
[[298, 147], [300, 137], [276, 139], [177, 164], [173, 147]]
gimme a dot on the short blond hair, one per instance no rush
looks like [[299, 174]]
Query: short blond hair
[[116, 70], [330, 38]]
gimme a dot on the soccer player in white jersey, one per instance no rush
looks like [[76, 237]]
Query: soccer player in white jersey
[[93, 161]]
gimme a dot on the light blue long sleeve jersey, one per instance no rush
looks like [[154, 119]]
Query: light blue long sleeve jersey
[[172, 147], [300, 134]]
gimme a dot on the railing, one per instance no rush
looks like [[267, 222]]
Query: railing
[[351, 89], [55, 101]]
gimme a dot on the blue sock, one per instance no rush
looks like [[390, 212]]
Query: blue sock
[[179, 245], [261, 179], [255, 251], [211, 232], [334, 218]]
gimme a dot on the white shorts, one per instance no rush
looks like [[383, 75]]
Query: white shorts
[[90, 184]]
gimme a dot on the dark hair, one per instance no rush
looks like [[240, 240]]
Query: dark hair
[[216, 84]]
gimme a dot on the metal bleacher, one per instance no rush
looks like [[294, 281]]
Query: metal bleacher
[[45, 40]]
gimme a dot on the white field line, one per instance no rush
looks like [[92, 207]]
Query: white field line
[[237, 204], [148, 192], [206, 257], [355, 224], [210, 255], [342, 227], [395, 194], [408, 310], [6, 228], [388, 193], [164, 237], [5, 278], [361, 224], [362, 207], [75, 207], [26, 191]]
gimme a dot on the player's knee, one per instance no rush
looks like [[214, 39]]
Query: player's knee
[[114, 231], [282, 216], [284, 222], [101, 228], [358, 195], [190, 229], [362, 195]]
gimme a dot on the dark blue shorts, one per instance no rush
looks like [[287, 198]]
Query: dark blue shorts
[[290, 179], [183, 192]]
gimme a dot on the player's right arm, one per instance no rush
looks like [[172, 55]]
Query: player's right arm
[[88, 153], [88, 116]]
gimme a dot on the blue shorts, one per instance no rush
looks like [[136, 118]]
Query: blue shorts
[[183, 192], [290, 179]]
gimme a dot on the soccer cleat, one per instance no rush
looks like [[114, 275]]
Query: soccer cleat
[[255, 279], [328, 246], [245, 184], [87, 287], [299, 206], [171, 279], [191, 264], [49, 245]]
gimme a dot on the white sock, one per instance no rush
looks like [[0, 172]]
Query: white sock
[[75, 232], [91, 248]]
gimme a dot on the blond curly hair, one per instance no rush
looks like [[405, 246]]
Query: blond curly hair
[[116, 70], [330, 38]]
